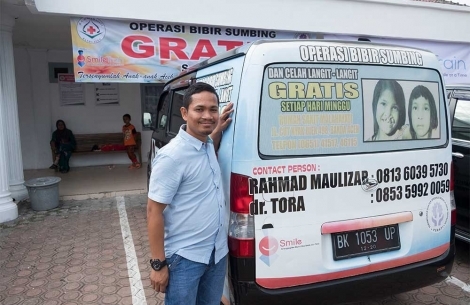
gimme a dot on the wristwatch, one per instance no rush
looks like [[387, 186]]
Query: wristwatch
[[157, 264]]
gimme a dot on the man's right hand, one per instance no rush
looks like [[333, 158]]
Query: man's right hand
[[159, 279]]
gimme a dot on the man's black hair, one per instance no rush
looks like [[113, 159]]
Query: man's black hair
[[127, 115], [195, 89]]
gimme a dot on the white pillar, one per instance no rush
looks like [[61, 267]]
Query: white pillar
[[8, 209], [10, 111]]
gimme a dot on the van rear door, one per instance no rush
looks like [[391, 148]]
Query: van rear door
[[353, 171]]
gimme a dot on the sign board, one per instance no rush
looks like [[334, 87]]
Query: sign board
[[70, 92], [107, 93]]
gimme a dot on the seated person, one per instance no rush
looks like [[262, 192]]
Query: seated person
[[63, 144]]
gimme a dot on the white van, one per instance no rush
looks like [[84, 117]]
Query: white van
[[337, 165]]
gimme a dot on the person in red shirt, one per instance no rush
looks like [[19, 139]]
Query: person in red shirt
[[128, 132]]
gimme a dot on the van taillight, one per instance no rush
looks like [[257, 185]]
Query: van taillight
[[241, 232], [240, 197], [242, 248], [453, 211]]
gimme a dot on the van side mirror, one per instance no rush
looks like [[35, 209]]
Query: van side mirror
[[147, 120]]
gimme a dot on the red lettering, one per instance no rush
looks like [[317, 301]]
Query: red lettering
[[172, 44], [203, 48], [138, 46], [229, 44]]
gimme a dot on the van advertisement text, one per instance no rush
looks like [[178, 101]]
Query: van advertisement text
[[318, 109], [222, 83], [392, 184], [360, 55], [368, 215]]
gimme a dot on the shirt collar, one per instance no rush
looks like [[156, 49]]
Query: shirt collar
[[198, 144]]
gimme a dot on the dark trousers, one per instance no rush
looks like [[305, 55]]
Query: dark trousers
[[131, 153]]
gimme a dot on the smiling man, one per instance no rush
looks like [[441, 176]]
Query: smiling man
[[186, 206]]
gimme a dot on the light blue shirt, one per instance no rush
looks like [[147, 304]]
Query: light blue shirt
[[186, 177]]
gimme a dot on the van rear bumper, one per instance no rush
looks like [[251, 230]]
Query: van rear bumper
[[367, 286]]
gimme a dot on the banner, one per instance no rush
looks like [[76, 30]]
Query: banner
[[151, 52], [455, 57]]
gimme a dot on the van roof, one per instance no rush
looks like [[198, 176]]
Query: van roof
[[242, 50]]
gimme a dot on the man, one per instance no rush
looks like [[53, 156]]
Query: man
[[186, 206]]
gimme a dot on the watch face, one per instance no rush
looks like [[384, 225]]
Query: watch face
[[157, 264]]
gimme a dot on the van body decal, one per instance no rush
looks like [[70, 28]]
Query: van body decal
[[345, 54], [327, 109], [274, 283]]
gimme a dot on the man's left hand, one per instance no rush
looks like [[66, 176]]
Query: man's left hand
[[224, 118], [222, 124]]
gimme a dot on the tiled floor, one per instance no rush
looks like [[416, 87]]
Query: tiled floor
[[75, 254], [95, 251], [96, 181]]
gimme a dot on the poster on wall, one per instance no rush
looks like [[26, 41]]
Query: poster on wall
[[70, 92], [454, 57], [107, 93], [149, 52]]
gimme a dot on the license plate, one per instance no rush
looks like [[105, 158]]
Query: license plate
[[364, 242]]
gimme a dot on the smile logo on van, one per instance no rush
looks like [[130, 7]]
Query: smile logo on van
[[268, 247], [369, 184]]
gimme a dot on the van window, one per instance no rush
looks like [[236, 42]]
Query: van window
[[163, 110], [150, 96], [176, 119], [461, 123], [312, 109]]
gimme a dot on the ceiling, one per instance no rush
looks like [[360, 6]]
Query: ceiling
[[37, 30], [43, 31]]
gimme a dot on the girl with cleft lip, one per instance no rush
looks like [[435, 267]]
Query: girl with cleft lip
[[388, 107]]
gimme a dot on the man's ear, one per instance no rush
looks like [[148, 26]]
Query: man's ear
[[184, 113]]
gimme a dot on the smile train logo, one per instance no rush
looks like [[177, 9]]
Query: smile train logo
[[80, 58], [268, 247]]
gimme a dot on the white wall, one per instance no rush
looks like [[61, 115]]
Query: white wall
[[384, 18], [25, 108], [39, 108]]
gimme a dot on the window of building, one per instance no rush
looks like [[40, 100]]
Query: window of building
[[55, 68]]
